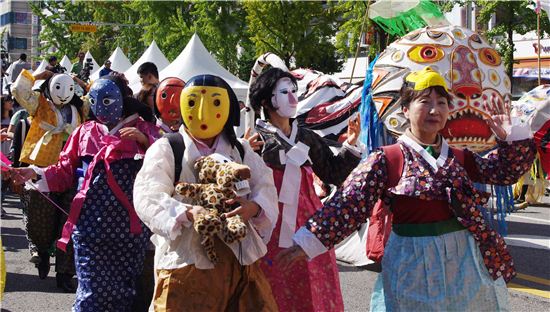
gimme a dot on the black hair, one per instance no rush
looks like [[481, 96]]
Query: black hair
[[23, 57], [130, 105], [52, 58], [408, 94], [148, 68], [262, 90], [234, 119]]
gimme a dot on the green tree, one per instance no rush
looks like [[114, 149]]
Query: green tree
[[300, 31]]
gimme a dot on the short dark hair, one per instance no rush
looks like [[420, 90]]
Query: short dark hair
[[23, 57], [148, 68], [52, 58], [408, 94], [262, 90]]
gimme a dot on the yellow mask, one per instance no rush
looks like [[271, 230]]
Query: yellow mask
[[205, 110]]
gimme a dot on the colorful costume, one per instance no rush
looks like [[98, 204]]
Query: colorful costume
[[441, 254], [309, 285], [55, 114], [186, 279]]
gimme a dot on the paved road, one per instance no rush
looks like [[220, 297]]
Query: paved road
[[529, 239]]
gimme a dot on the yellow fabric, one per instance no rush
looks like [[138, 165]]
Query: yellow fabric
[[205, 110], [23, 93], [426, 78], [2, 270], [48, 153], [230, 286]]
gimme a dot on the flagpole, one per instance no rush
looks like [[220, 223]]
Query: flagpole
[[365, 17], [538, 44]]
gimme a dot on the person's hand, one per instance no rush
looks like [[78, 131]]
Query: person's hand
[[22, 175], [288, 257], [253, 140], [131, 133], [5, 135], [499, 119], [43, 75], [193, 212], [354, 129], [246, 210]]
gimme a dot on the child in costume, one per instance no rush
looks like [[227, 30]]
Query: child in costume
[[55, 112], [109, 239], [294, 154], [441, 255], [186, 279]]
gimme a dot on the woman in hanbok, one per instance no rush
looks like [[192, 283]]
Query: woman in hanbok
[[109, 239], [441, 254], [294, 154]]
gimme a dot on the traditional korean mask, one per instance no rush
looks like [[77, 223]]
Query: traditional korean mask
[[106, 102], [205, 110], [167, 99], [284, 98], [61, 89]]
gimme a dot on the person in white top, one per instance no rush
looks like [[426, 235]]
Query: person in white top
[[186, 279]]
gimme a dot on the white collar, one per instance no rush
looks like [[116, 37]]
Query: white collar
[[271, 128], [427, 156], [192, 151]]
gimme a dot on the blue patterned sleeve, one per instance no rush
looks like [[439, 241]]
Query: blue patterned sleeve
[[352, 204]]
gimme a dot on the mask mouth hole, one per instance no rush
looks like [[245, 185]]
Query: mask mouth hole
[[204, 127]]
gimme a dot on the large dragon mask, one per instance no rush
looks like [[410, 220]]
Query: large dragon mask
[[473, 71]]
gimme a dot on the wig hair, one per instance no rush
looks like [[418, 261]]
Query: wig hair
[[234, 119], [262, 90], [408, 94]]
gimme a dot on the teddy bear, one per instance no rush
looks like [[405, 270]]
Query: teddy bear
[[219, 179]]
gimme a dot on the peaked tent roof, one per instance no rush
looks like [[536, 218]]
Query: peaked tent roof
[[152, 54], [119, 63], [39, 69], [195, 60], [65, 62]]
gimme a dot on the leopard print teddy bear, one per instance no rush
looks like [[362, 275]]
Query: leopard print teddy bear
[[219, 179]]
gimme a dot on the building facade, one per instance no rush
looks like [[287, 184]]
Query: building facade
[[19, 29]]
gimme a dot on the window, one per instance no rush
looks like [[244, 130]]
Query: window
[[15, 18], [17, 43]]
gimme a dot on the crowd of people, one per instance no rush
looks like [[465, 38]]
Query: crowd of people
[[104, 173]]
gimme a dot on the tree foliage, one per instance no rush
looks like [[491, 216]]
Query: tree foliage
[[298, 31]]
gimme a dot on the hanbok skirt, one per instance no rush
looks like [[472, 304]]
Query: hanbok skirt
[[436, 273]]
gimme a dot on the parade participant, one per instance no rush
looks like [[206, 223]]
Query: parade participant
[[441, 254], [186, 279], [109, 239], [167, 104], [149, 79], [55, 111], [294, 153]]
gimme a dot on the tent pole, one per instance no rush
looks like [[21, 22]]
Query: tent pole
[[538, 44], [359, 43]]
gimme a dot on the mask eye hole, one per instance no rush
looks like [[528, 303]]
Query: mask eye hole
[[217, 102], [163, 95], [71, 89], [108, 102], [57, 87], [92, 101], [191, 103]]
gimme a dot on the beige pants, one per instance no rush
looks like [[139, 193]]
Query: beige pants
[[230, 286]]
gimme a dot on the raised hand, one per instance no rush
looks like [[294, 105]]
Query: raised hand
[[354, 129], [253, 140], [22, 175], [499, 119]]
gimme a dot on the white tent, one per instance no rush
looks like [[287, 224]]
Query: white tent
[[39, 69], [196, 60], [66, 63], [358, 73], [152, 54], [119, 63]]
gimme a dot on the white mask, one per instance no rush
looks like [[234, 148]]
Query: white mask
[[284, 98], [61, 89]]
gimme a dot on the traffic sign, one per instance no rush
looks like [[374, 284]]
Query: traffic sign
[[82, 28]]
